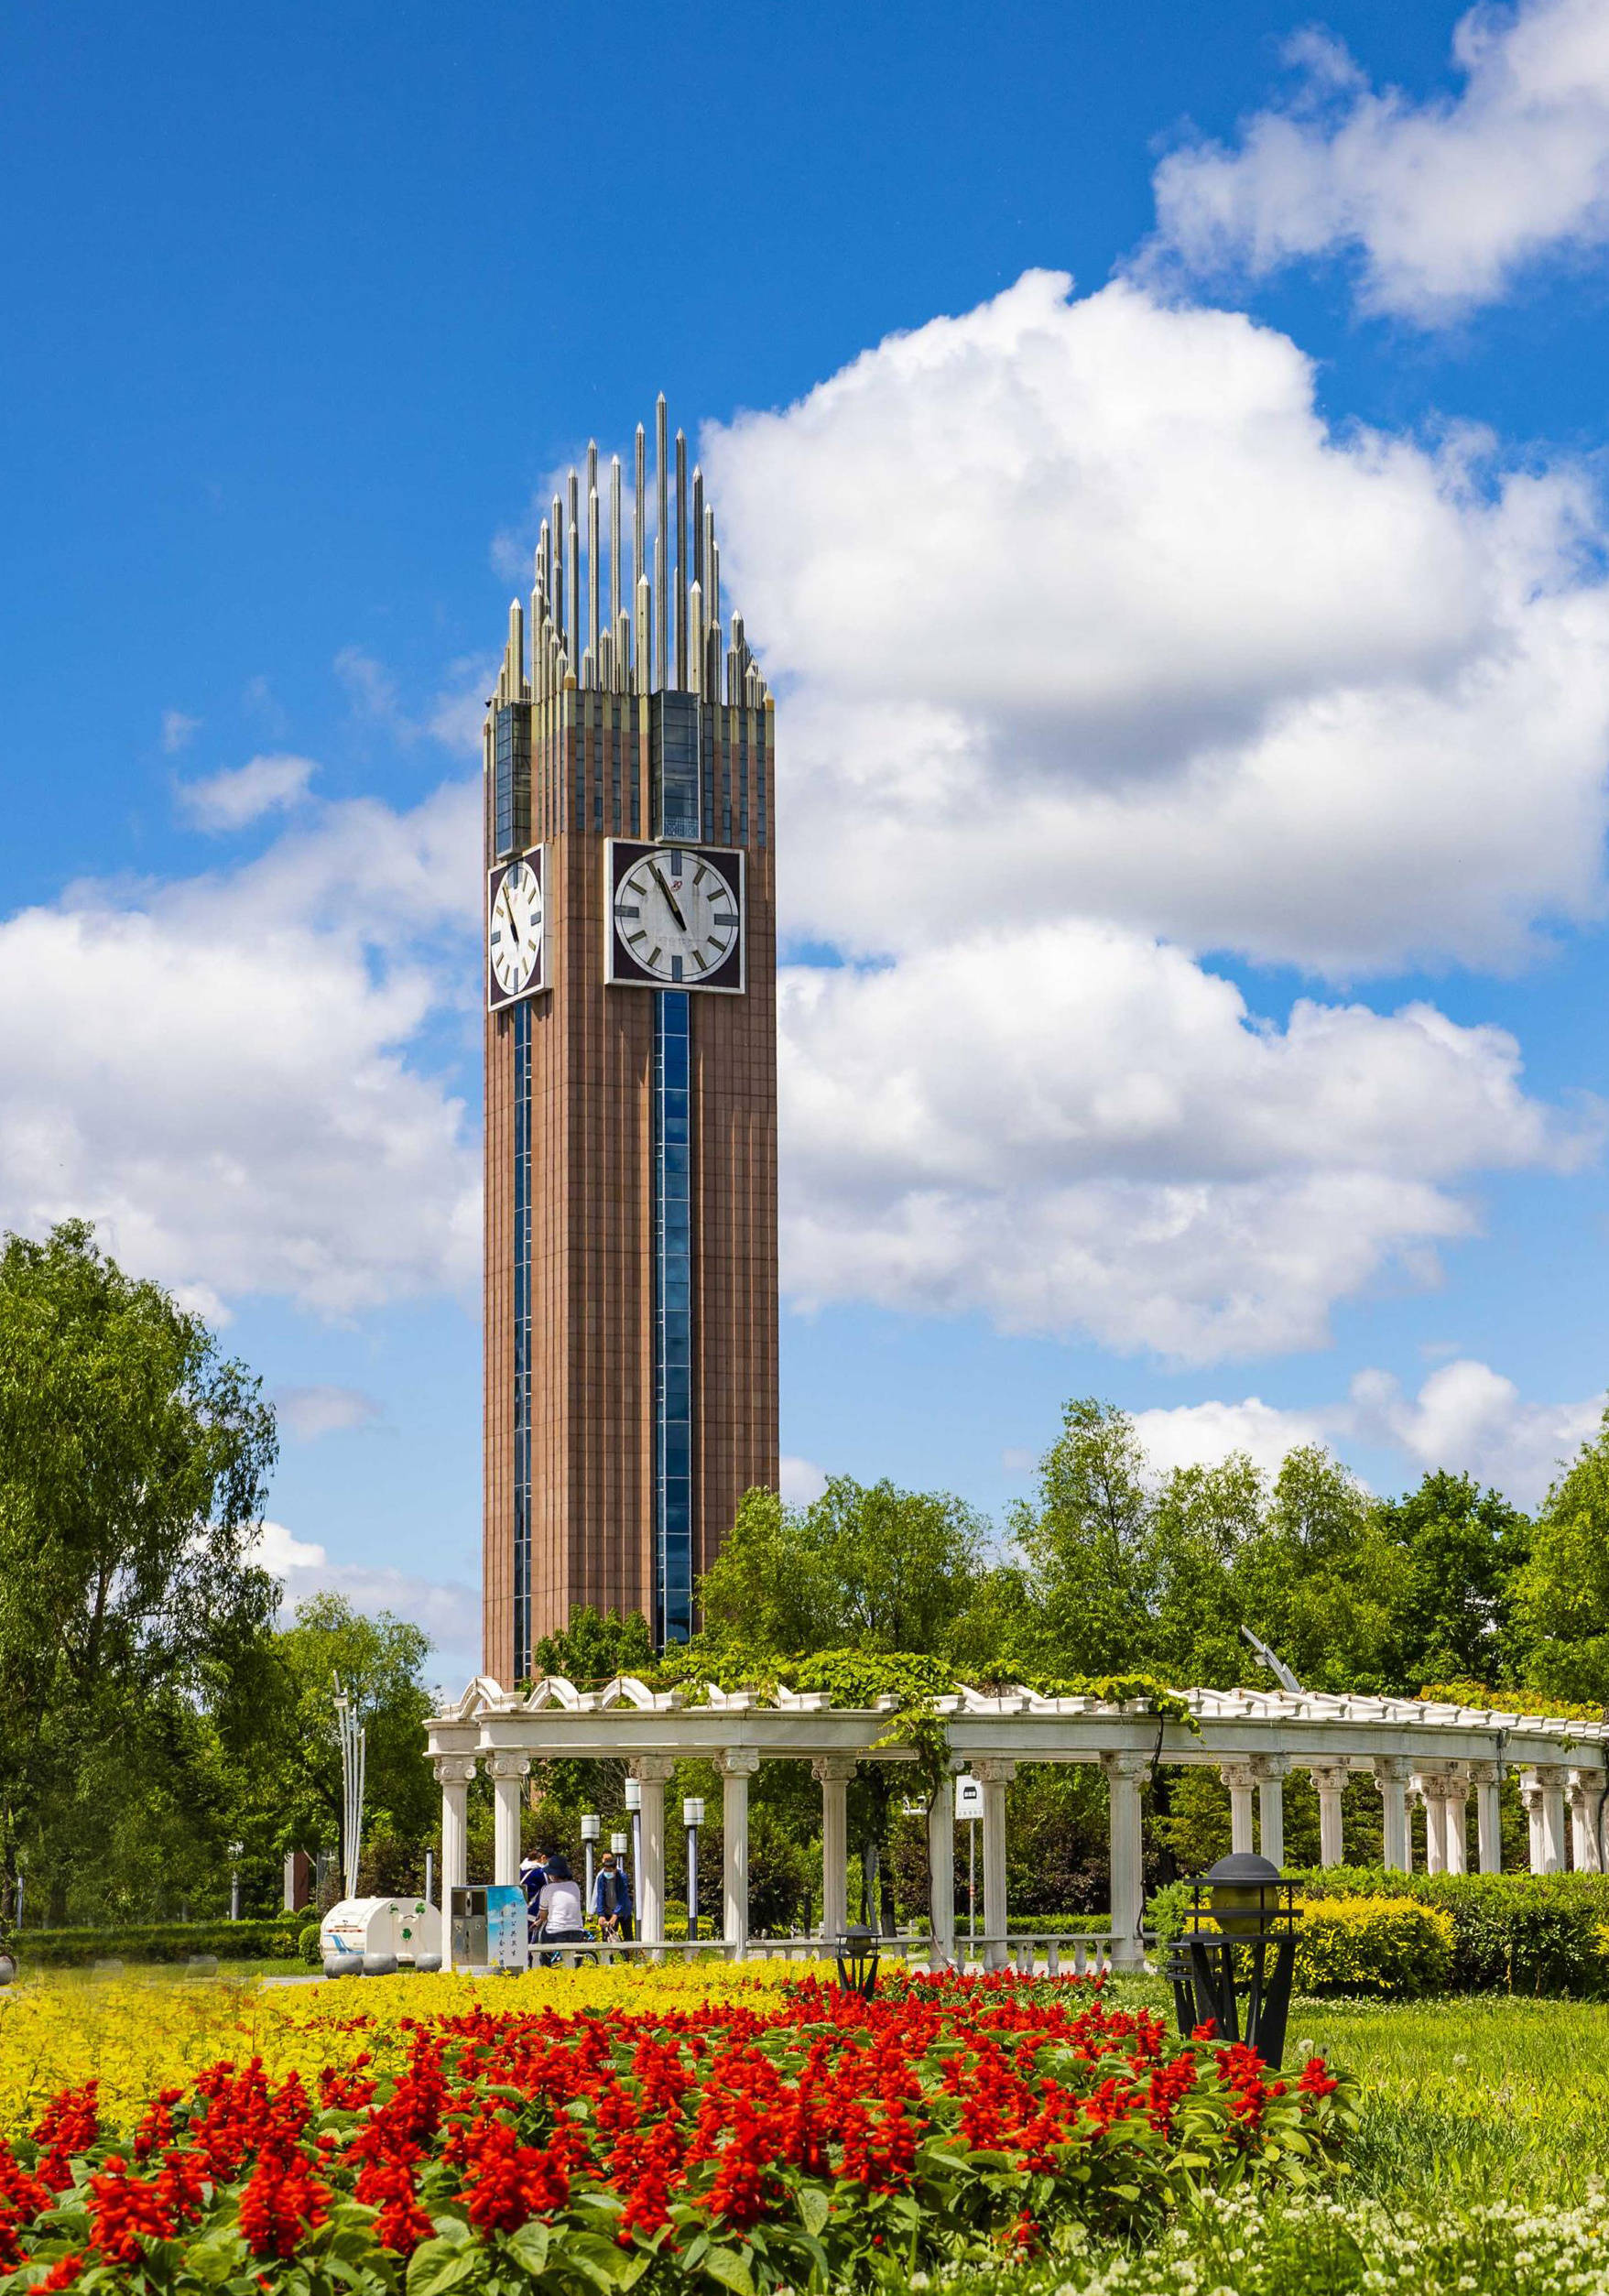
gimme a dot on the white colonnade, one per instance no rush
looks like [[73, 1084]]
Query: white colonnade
[[1413, 1751]]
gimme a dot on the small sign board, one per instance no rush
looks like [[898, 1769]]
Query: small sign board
[[969, 1797]]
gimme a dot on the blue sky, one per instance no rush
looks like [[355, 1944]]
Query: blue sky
[[1194, 800]]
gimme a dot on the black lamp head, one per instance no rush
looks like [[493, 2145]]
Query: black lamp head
[[857, 1961], [1243, 1892]]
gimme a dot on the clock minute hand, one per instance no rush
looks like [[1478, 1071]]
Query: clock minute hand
[[670, 896]]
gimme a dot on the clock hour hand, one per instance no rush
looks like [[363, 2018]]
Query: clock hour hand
[[670, 896]]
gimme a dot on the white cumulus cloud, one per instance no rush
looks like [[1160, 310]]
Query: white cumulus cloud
[[225, 1073], [1075, 1127], [448, 1611], [310, 1412], [1441, 202], [240, 795], [1466, 1417], [1080, 608]]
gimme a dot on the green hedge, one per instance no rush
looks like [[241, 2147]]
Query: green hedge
[[172, 1942], [1533, 1933], [1395, 1948]]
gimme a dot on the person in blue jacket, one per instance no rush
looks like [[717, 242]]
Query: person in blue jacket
[[611, 1906]]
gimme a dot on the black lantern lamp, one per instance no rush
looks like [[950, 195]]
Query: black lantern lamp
[[1237, 1971], [857, 1961]]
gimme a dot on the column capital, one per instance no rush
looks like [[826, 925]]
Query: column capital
[[834, 1769], [652, 1769], [1550, 1777], [1126, 1764], [1330, 1778], [1239, 1777], [1530, 1790], [509, 1766], [1585, 1784], [997, 1770], [1485, 1773], [1393, 1769], [737, 1761], [454, 1769], [1269, 1767]]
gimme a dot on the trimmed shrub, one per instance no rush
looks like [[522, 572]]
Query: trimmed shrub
[[172, 1942], [1534, 1933], [1394, 1947]]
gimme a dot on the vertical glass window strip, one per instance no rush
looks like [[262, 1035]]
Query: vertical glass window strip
[[726, 777], [760, 779], [634, 827], [511, 753], [616, 736], [522, 1340], [673, 1319], [711, 737], [673, 727]]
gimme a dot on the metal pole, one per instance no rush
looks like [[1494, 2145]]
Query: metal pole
[[971, 1882], [430, 1876], [692, 1881]]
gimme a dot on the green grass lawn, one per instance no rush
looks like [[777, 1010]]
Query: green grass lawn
[[1480, 2167]]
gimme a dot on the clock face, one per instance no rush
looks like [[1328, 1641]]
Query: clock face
[[514, 931], [676, 920]]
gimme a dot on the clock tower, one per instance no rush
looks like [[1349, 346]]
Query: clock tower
[[630, 1286]]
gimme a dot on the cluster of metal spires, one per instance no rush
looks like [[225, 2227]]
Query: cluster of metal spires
[[665, 630]]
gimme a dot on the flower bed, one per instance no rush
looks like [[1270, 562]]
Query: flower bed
[[819, 2140]]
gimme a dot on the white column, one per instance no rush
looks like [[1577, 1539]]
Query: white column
[[1530, 1797], [509, 1772], [1270, 1771], [652, 1771], [833, 1773], [1553, 1779], [1487, 1780], [1455, 1817], [994, 1773], [1392, 1772], [453, 1772], [1241, 1781], [737, 1764], [1331, 1777], [1586, 1852], [1427, 1785], [941, 1872], [1124, 1773]]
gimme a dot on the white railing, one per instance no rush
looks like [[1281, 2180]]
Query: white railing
[[1079, 1954]]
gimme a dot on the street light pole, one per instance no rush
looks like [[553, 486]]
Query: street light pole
[[234, 1855], [693, 1817], [591, 1826]]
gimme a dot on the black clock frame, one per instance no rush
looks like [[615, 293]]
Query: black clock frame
[[498, 998], [621, 969]]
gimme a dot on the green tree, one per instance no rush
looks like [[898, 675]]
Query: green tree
[[595, 1647], [1088, 1547], [133, 1460], [1561, 1589], [864, 1567], [293, 1781]]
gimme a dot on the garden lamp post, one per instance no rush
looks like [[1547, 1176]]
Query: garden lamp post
[[693, 1817], [634, 1809], [857, 1961], [592, 1825], [1232, 1963], [236, 1850]]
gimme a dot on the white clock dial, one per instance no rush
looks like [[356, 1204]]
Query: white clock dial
[[675, 915], [514, 930]]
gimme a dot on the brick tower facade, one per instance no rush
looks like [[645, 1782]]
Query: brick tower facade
[[630, 1285]]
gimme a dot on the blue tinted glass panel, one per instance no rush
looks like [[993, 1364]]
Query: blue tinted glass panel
[[511, 809], [672, 1313], [675, 727]]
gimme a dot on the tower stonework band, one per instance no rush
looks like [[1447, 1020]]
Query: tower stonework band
[[630, 1279]]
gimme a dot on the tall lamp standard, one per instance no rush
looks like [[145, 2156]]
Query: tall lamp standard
[[634, 1809], [617, 1843], [969, 1804], [236, 1851], [693, 1817], [591, 1826]]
